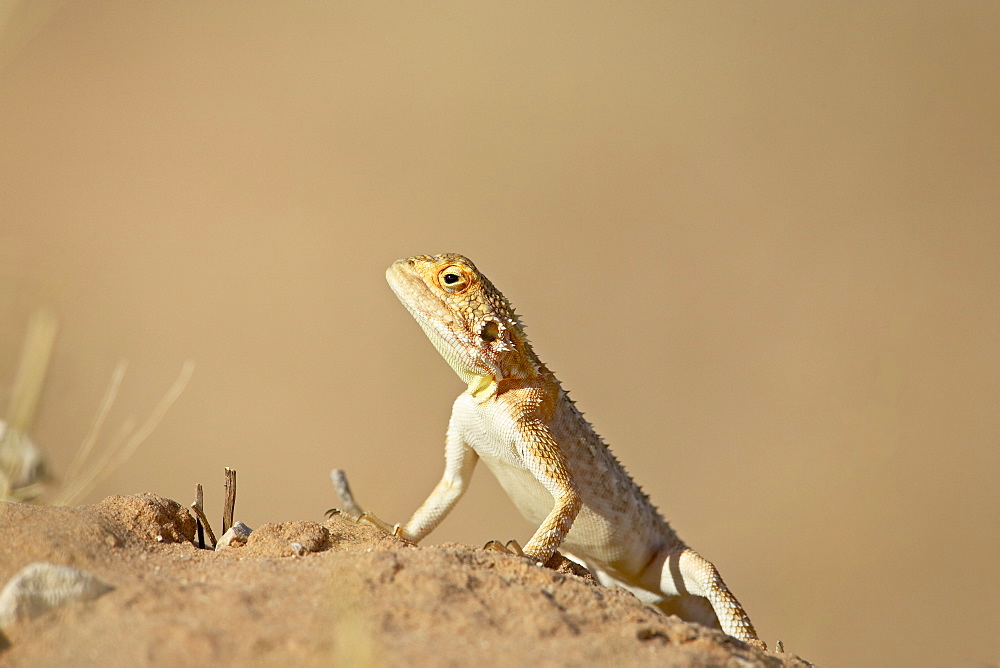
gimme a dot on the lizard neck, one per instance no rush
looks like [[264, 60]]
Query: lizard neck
[[521, 377], [480, 387]]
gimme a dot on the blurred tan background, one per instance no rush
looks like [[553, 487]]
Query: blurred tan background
[[758, 242]]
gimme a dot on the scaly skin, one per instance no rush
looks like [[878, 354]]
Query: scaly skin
[[518, 420]]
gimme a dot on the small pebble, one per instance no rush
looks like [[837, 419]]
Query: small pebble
[[235, 537]]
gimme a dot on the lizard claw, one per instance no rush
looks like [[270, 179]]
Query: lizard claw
[[512, 547], [354, 512], [395, 530]]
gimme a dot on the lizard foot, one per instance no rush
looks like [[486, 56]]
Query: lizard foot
[[353, 511], [395, 530], [512, 547], [557, 562]]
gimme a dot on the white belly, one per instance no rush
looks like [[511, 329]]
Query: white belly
[[494, 437]]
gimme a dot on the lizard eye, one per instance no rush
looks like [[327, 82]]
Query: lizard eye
[[453, 279]]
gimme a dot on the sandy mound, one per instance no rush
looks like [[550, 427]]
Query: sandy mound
[[355, 597]]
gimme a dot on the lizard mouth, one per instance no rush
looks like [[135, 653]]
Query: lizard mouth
[[430, 312], [413, 292], [451, 338]]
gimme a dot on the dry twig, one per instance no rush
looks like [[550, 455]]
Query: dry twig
[[199, 512], [350, 506], [230, 507]]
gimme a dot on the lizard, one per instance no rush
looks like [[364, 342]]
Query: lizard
[[515, 416]]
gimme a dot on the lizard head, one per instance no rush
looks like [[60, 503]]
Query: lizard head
[[468, 320]]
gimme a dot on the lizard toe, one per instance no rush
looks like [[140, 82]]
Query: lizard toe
[[511, 547]]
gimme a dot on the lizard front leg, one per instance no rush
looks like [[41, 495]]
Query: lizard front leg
[[545, 460], [459, 462]]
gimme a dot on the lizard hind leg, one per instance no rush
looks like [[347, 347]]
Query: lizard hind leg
[[700, 577]]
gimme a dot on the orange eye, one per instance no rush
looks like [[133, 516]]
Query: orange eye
[[453, 279]]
